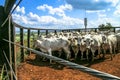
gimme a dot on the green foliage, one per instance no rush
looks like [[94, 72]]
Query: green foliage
[[106, 26], [17, 40], [32, 36], [2, 75]]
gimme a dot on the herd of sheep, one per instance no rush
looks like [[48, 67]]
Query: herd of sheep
[[76, 41]]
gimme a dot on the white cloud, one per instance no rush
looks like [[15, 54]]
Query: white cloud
[[117, 11], [71, 21], [108, 9], [114, 2], [33, 20], [41, 19], [43, 7], [58, 11], [62, 21], [48, 19], [92, 4], [66, 7], [20, 9], [96, 11], [33, 17], [22, 19], [102, 20], [101, 14]]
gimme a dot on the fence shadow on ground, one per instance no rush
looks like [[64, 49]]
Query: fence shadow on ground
[[37, 61]]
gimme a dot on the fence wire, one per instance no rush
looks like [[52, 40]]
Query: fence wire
[[94, 72]]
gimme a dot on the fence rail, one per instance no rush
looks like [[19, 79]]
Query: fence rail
[[80, 29]]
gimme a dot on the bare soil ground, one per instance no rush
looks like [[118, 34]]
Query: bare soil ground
[[35, 69]]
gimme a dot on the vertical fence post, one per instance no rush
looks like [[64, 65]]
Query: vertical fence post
[[7, 32], [21, 43], [4, 34], [38, 32], [114, 29], [10, 52], [95, 29], [14, 51], [46, 32], [55, 32], [69, 30], [28, 41]]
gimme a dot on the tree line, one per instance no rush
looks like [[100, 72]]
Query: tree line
[[106, 26]]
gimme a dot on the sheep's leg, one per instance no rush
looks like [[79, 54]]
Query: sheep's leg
[[99, 52], [81, 55], [50, 53], [93, 56], [75, 52], [76, 55], [111, 53], [114, 47], [59, 53], [93, 51], [104, 52], [67, 51], [87, 54], [44, 59]]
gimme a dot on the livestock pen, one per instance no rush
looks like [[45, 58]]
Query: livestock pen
[[8, 46], [27, 47], [28, 43]]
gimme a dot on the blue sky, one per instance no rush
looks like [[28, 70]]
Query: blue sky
[[62, 14]]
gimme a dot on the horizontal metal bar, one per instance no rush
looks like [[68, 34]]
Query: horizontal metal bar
[[19, 26]]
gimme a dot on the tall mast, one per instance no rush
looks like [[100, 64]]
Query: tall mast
[[85, 22]]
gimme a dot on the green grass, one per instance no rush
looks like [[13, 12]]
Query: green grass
[[17, 37], [17, 40], [2, 75]]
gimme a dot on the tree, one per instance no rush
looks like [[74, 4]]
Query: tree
[[101, 27], [108, 26]]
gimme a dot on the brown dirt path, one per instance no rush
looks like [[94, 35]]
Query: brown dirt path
[[35, 69]]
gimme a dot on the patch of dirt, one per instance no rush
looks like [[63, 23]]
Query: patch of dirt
[[35, 69]]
